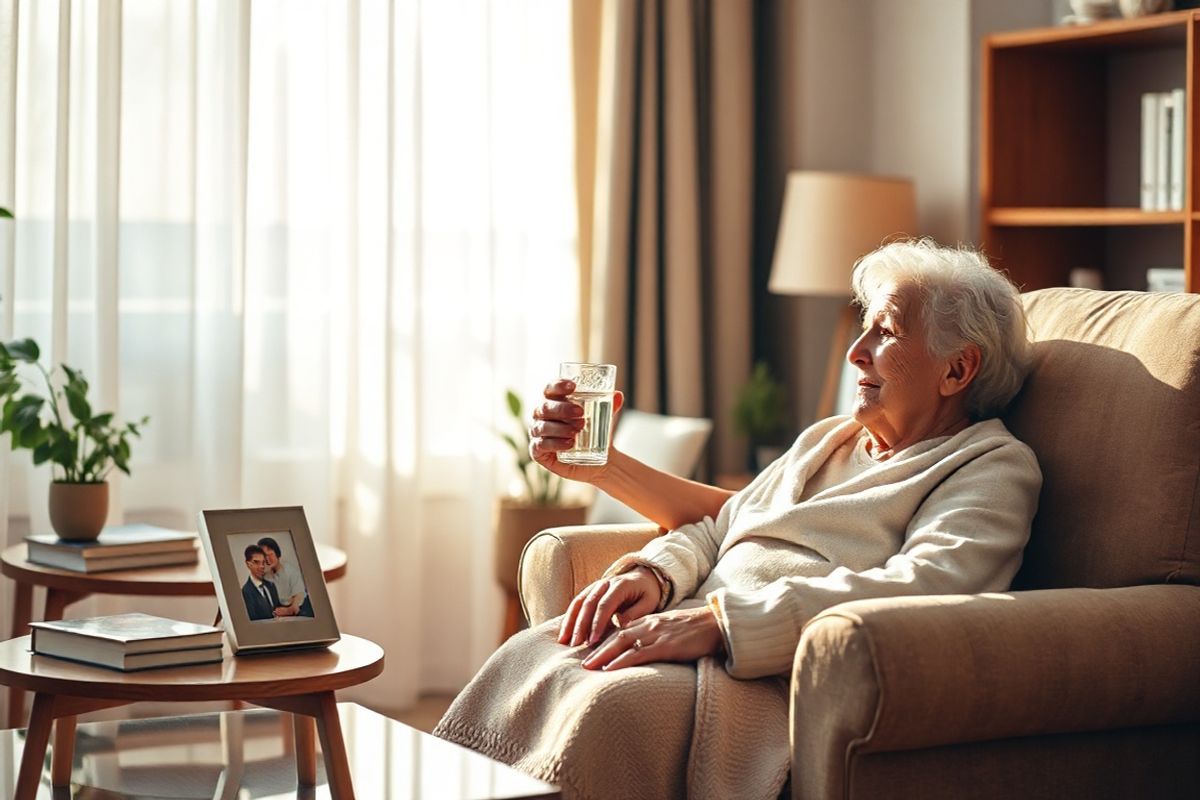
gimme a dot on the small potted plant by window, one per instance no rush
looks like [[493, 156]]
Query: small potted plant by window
[[60, 427], [519, 518], [760, 415]]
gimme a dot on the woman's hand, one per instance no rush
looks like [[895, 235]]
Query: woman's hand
[[555, 423], [682, 634], [630, 595]]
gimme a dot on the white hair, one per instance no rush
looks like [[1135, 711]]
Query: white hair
[[962, 300]]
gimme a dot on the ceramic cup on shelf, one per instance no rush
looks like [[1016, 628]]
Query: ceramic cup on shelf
[[1142, 8], [1092, 10]]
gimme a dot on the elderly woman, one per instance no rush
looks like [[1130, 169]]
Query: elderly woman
[[668, 676]]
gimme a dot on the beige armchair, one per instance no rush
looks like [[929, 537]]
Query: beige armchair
[[1084, 681]]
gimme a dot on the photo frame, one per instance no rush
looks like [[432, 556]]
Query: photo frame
[[269, 583]]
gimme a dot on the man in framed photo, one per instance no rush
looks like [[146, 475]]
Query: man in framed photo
[[259, 593], [289, 583]]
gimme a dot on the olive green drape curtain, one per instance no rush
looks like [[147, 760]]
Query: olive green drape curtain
[[665, 166]]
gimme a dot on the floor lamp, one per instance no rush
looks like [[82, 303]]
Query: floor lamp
[[829, 221]]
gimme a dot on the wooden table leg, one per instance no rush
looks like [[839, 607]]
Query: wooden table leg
[[57, 601], [233, 748], [512, 617], [305, 731], [323, 707], [59, 711], [22, 613], [329, 728], [22, 608], [62, 756], [37, 737]]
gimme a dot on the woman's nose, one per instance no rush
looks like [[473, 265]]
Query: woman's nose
[[859, 354]]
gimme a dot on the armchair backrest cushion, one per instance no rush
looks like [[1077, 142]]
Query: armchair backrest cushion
[[1112, 409]]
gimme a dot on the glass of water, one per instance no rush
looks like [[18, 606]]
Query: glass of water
[[594, 388]]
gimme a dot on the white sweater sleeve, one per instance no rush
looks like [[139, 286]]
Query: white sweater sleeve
[[687, 555], [684, 556], [967, 536]]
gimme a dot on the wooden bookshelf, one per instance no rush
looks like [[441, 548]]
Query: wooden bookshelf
[[1059, 217], [1060, 155]]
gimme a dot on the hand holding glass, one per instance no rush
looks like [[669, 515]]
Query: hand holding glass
[[594, 388]]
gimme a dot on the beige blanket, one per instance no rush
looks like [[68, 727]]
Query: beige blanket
[[656, 731], [626, 733]]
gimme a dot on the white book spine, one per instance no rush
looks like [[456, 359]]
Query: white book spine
[[1150, 102], [1178, 129], [1162, 159]]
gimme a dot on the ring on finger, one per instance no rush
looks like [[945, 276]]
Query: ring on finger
[[637, 644]]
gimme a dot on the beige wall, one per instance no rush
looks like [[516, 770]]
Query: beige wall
[[921, 104], [882, 86], [820, 114]]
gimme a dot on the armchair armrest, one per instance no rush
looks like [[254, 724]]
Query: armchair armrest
[[908, 673], [558, 562]]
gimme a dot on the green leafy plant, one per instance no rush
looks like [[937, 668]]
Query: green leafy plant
[[543, 487], [760, 413], [82, 445]]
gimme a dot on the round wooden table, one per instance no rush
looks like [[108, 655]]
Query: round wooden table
[[301, 681], [64, 587]]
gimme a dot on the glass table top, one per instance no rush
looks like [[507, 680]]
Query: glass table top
[[245, 755]]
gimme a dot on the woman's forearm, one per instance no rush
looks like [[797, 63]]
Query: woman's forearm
[[665, 499]]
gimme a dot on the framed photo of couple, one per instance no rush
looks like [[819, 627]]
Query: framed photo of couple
[[269, 584]]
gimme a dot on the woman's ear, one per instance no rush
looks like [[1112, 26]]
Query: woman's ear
[[961, 369]]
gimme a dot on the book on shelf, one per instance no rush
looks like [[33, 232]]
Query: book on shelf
[[1150, 103], [1177, 157], [118, 547], [128, 641], [1164, 129], [1162, 160]]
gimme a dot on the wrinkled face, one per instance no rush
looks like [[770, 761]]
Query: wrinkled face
[[898, 379], [257, 566], [272, 559]]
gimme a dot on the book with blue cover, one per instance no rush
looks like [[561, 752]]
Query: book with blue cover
[[117, 547]]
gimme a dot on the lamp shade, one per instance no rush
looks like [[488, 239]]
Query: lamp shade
[[829, 221]]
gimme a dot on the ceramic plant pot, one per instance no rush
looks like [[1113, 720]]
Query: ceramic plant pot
[[516, 524], [78, 510]]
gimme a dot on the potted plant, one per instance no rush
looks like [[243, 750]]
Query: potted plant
[[520, 518], [60, 427], [760, 415]]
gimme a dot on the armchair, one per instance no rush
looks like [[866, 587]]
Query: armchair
[[1084, 681]]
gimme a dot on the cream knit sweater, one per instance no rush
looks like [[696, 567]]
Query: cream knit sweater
[[944, 516]]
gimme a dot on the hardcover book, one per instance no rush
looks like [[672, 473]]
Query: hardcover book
[[1150, 104], [1178, 153], [128, 641], [1162, 158], [120, 547]]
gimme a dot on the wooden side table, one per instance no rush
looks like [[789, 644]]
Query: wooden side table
[[302, 682], [64, 587]]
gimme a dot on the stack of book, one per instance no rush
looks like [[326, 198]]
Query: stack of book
[[121, 547], [1163, 160], [128, 641]]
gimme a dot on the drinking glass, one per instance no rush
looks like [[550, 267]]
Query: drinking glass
[[594, 388]]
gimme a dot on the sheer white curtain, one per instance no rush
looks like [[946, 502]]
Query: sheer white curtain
[[313, 241]]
